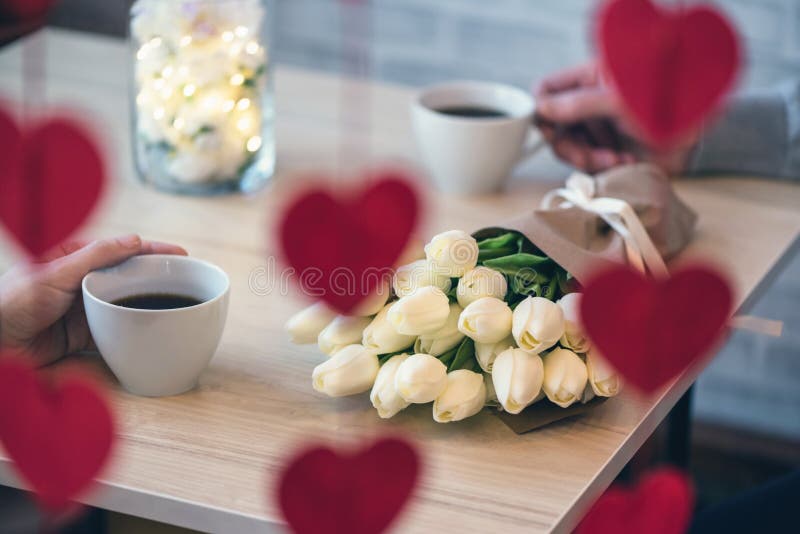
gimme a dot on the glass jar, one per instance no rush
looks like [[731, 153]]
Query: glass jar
[[203, 99]]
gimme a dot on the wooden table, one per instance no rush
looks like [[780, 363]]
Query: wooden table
[[206, 459]]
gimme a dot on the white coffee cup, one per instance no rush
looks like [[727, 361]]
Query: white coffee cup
[[474, 155], [156, 353]]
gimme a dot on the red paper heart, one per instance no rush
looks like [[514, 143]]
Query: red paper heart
[[344, 245], [652, 330], [26, 9], [325, 492], [58, 433], [51, 177], [661, 503], [670, 65]]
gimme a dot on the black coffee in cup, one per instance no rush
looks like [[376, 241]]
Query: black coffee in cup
[[157, 301], [472, 112]]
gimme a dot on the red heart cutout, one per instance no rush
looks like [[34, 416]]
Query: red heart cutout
[[670, 65], [661, 503], [26, 9], [59, 433], [652, 330], [344, 245], [51, 177], [324, 491]]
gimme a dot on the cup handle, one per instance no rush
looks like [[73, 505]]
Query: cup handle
[[533, 144]]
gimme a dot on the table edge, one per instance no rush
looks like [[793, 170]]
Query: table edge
[[150, 505]]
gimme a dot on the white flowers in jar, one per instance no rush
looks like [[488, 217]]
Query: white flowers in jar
[[202, 97]]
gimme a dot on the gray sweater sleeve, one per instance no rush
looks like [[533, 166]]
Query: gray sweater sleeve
[[759, 133]]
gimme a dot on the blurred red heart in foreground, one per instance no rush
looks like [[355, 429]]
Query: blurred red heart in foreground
[[59, 431], [661, 503], [324, 491], [51, 177], [343, 244], [26, 9], [652, 330], [670, 65]]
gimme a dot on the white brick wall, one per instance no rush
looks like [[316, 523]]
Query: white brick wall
[[517, 41]]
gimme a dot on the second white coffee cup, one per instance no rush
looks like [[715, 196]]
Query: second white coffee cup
[[471, 135]]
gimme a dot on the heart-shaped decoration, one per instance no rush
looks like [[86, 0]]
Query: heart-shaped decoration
[[324, 491], [661, 503], [670, 65], [51, 177], [652, 330], [26, 9], [343, 245], [59, 431]]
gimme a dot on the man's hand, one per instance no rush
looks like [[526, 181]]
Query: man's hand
[[586, 126], [41, 311]]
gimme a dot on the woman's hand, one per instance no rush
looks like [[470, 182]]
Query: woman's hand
[[41, 311], [584, 123]]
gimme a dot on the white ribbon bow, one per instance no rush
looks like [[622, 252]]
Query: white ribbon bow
[[639, 248]]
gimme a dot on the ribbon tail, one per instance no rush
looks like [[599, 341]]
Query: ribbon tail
[[652, 258], [758, 325], [632, 251]]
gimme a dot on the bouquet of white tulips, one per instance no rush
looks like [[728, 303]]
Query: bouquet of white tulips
[[473, 323]]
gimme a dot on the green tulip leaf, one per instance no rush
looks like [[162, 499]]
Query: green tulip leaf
[[464, 353], [494, 253], [452, 293], [502, 241], [526, 288], [525, 245], [514, 262], [448, 356], [550, 289]]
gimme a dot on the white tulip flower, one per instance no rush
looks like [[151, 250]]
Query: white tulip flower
[[304, 326], [420, 378], [384, 395], [517, 377], [463, 396], [452, 253], [603, 379], [444, 339], [573, 338], [374, 302], [486, 353], [422, 312], [538, 324], [381, 336], [342, 331], [565, 377], [478, 283], [408, 278], [487, 320], [351, 370]]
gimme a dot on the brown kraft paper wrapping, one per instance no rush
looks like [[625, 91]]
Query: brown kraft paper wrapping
[[581, 242]]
